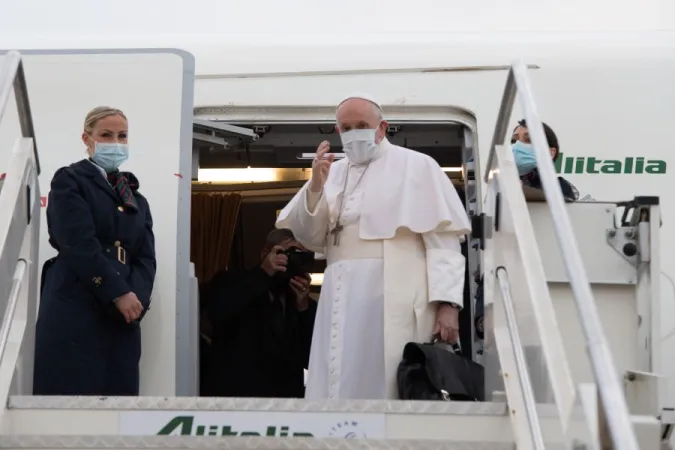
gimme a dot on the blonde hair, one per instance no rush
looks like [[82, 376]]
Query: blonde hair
[[98, 113]]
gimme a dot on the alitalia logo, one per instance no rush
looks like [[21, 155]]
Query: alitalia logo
[[594, 165], [253, 423], [189, 425], [185, 426]]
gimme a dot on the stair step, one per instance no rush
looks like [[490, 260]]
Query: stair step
[[233, 443], [270, 418], [32, 422], [256, 404]]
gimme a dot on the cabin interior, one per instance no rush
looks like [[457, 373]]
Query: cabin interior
[[244, 173]]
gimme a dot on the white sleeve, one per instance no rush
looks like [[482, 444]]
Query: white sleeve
[[445, 267], [307, 218], [312, 200]]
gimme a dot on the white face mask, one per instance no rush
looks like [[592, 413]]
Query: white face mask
[[359, 145]]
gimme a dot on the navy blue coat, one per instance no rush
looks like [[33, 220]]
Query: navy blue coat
[[83, 345]]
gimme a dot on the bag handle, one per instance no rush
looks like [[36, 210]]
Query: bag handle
[[454, 347]]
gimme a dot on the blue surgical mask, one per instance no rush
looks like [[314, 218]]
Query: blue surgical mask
[[110, 156], [526, 161]]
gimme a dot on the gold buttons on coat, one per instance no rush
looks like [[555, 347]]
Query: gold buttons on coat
[[117, 243], [120, 208]]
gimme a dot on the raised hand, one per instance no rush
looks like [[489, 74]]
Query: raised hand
[[321, 167]]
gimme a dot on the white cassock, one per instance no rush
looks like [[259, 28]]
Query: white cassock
[[398, 254]]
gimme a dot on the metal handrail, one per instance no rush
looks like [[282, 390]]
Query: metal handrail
[[503, 117], [19, 273], [521, 366], [606, 376], [12, 76]]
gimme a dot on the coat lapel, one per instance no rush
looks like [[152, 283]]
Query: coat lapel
[[87, 169]]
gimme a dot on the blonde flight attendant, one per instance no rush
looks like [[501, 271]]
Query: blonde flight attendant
[[97, 289]]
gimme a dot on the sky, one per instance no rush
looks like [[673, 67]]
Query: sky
[[125, 23]]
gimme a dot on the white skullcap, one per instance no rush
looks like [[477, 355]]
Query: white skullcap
[[366, 97]]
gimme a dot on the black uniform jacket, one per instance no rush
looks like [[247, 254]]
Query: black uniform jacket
[[261, 341], [105, 249], [569, 191]]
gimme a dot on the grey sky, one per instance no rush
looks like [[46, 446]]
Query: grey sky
[[27, 23]]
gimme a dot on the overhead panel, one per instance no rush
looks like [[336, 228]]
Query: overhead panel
[[216, 144], [217, 136], [228, 129]]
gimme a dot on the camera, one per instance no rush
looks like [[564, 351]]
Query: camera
[[299, 262]]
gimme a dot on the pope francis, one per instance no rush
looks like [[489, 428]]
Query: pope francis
[[389, 222]]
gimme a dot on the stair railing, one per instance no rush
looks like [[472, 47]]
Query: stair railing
[[13, 77], [19, 238], [612, 400]]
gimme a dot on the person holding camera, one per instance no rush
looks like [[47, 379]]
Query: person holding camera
[[263, 321]]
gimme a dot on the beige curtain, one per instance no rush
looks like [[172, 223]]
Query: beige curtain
[[214, 219]]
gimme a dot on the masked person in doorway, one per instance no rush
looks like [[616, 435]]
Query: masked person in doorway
[[97, 289], [526, 161], [262, 324], [389, 221]]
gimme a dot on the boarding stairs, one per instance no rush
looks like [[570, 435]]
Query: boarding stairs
[[572, 336]]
